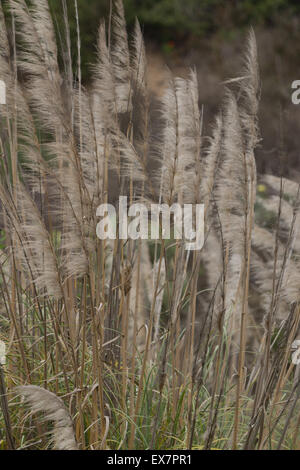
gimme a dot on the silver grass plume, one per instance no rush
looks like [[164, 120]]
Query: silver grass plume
[[250, 93], [42, 18], [16, 105], [75, 215], [104, 102], [104, 82], [39, 62], [110, 98], [190, 138], [54, 410], [231, 192], [196, 139], [121, 59], [232, 197], [172, 167], [212, 156], [236, 194], [138, 59], [142, 298], [140, 96], [244, 140], [34, 245], [133, 165], [182, 167], [92, 151], [43, 88], [249, 105], [181, 152]]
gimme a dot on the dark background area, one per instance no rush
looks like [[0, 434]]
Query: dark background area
[[210, 34]]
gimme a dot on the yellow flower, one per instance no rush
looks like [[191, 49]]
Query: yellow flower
[[261, 188]]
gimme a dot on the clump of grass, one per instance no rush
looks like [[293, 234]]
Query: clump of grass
[[146, 345]]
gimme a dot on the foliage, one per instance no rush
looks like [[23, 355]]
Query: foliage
[[169, 20]]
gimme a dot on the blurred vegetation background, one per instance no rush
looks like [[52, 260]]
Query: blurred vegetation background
[[176, 21], [210, 35]]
